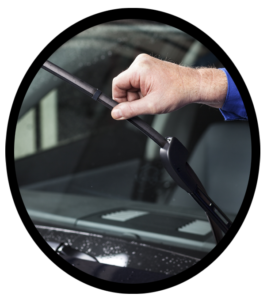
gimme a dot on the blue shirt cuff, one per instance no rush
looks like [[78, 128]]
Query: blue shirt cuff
[[233, 107]]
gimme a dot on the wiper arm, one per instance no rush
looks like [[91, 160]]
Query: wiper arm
[[174, 158], [173, 154]]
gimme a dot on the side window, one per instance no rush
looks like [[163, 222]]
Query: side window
[[38, 128], [25, 137], [48, 120]]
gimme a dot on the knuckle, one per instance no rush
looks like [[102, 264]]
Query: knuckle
[[114, 80], [143, 58], [113, 83]]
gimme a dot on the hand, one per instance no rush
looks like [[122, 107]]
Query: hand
[[153, 86]]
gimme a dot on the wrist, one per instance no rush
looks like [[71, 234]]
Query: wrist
[[190, 79], [212, 87]]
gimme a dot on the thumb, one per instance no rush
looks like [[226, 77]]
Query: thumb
[[127, 110]]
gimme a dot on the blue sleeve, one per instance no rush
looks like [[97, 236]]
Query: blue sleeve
[[233, 108]]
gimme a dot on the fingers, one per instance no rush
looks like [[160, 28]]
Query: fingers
[[133, 89], [125, 86], [132, 96], [128, 110]]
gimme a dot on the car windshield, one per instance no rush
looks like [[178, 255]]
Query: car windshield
[[78, 168]]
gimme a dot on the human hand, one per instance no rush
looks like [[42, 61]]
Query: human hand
[[153, 86]]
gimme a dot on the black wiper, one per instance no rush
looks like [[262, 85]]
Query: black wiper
[[69, 253], [173, 155]]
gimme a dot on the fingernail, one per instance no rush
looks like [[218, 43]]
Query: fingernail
[[116, 114]]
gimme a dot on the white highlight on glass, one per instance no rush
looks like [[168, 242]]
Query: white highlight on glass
[[25, 142], [119, 260], [197, 227], [124, 215], [49, 120]]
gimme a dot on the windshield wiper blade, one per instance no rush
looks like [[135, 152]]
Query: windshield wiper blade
[[173, 154]]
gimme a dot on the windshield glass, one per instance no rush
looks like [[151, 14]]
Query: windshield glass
[[77, 167]]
